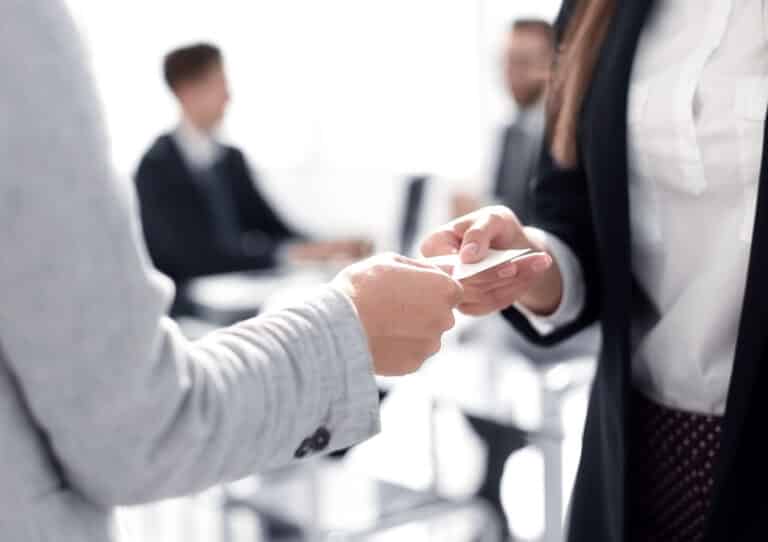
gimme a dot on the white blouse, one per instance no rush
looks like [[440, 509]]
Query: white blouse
[[697, 107]]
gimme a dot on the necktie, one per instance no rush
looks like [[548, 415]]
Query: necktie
[[222, 206]]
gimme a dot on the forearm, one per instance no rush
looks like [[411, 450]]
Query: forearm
[[131, 410], [136, 412], [239, 401], [569, 288]]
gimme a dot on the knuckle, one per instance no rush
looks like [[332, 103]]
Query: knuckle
[[502, 216], [478, 229], [502, 211], [379, 268]]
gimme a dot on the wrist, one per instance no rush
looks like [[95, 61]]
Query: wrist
[[343, 284], [545, 298]]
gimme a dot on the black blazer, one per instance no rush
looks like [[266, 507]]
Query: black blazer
[[588, 207], [179, 224], [516, 169]]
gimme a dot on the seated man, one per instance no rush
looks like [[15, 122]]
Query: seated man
[[200, 205]]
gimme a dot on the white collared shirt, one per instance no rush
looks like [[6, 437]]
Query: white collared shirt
[[199, 149], [697, 107]]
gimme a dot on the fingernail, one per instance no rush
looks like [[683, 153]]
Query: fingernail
[[541, 264], [508, 272], [470, 249]]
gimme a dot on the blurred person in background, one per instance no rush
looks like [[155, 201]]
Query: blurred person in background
[[201, 206], [103, 401], [652, 200], [528, 57]]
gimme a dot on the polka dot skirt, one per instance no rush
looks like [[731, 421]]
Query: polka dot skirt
[[672, 455]]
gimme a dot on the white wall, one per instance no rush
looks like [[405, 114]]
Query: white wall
[[334, 100]]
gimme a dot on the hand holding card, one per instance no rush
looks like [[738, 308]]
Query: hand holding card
[[497, 262], [495, 258]]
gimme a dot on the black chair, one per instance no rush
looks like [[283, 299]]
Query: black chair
[[413, 206]]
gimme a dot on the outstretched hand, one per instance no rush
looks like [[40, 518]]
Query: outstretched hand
[[405, 306], [533, 280]]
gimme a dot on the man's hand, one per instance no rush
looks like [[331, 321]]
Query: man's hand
[[405, 307], [324, 251], [534, 280]]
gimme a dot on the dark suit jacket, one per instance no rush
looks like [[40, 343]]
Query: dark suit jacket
[[516, 168], [180, 223], [588, 207]]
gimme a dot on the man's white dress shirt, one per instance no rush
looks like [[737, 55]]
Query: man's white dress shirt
[[199, 149]]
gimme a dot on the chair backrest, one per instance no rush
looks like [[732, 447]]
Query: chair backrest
[[414, 202]]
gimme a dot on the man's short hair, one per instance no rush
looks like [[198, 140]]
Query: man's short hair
[[537, 25], [189, 63]]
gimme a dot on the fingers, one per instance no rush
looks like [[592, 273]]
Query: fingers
[[494, 300], [412, 262], [536, 263], [472, 235], [443, 285], [496, 226], [443, 241], [486, 296], [446, 263], [477, 239], [430, 311], [405, 306], [394, 261]]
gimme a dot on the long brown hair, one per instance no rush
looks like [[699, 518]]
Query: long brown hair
[[576, 59]]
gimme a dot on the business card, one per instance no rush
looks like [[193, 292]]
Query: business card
[[494, 258]]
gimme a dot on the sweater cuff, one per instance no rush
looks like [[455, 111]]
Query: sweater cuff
[[354, 412]]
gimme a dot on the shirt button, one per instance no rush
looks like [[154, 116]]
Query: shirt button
[[321, 439], [304, 449]]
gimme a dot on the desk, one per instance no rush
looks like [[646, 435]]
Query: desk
[[225, 299], [328, 501], [484, 376]]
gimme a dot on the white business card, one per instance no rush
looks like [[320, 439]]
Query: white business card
[[495, 258]]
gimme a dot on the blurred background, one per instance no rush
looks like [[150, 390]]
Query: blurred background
[[328, 97], [367, 121]]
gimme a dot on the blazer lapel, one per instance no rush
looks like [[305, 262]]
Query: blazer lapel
[[745, 422], [605, 144]]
